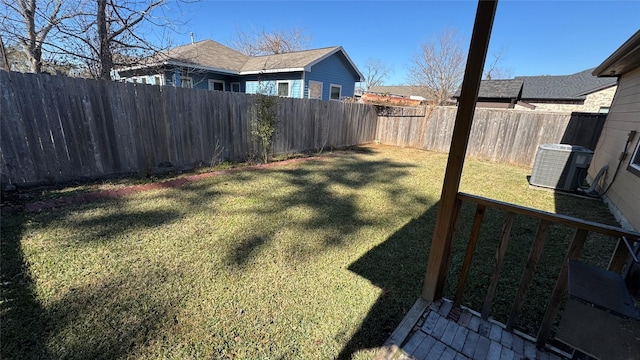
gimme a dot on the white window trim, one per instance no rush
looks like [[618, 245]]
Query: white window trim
[[288, 82], [182, 80], [321, 88], [338, 86], [239, 86], [158, 77], [213, 81]]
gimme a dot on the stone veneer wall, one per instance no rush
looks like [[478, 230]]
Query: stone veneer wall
[[592, 103]]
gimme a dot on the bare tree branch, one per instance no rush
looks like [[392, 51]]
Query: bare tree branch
[[493, 70], [118, 33], [375, 73], [276, 41], [89, 33], [30, 23], [439, 65]]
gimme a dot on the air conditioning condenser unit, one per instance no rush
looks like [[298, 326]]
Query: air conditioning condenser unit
[[560, 166]]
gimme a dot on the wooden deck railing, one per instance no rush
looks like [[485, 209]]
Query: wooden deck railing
[[583, 228]]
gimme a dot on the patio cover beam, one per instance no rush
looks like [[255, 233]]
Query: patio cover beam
[[440, 252]]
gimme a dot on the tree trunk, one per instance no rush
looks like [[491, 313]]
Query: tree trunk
[[106, 58], [30, 46], [5, 58], [36, 60]]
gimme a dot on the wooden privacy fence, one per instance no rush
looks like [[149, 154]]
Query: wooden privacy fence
[[508, 136], [55, 128]]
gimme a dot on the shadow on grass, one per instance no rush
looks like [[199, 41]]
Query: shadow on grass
[[317, 187], [246, 250], [397, 266], [111, 318], [24, 322], [116, 316], [109, 225], [104, 319]]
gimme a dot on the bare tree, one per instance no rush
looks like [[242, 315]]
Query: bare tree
[[276, 41], [439, 65], [30, 23], [493, 70], [375, 73], [95, 34], [113, 33]]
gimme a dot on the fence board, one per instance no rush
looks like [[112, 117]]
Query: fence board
[[508, 136], [60, 128]]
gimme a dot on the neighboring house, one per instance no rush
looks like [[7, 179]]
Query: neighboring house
[[501, 94], [621, 133], [326, 74], [579, 92], [398, 95]]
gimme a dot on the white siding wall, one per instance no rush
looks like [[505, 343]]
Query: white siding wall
[[624, 196]]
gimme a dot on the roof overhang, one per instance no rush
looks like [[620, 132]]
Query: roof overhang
[[339, 48], [623, 60], [250, 72], [181, 64], [599, 88], [272, 71]]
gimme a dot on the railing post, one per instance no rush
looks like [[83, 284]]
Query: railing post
[[468, 257], [577, 244], [619, 257], [497, 264], [527, 277], [440, 253]]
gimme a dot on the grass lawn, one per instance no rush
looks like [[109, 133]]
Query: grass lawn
[[313, 260]]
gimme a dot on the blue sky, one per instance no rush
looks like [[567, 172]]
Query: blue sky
[[537, 37]]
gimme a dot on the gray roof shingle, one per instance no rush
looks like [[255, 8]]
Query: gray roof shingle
[[509, 89], [211, 54], [498, 89], [207, 53], [292, 60], [571, 87]]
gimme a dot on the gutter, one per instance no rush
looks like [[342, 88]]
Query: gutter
[[624, 53], [177, 63]]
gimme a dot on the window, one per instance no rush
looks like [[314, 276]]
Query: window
[[336, 92], [604, 110], [157, 80], [217, 85], [283, 88], [235, 86], [144, 79], [315, 89], [186, 82], [634, 164]]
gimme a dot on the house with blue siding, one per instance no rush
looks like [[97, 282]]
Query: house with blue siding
[[325, 74]]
